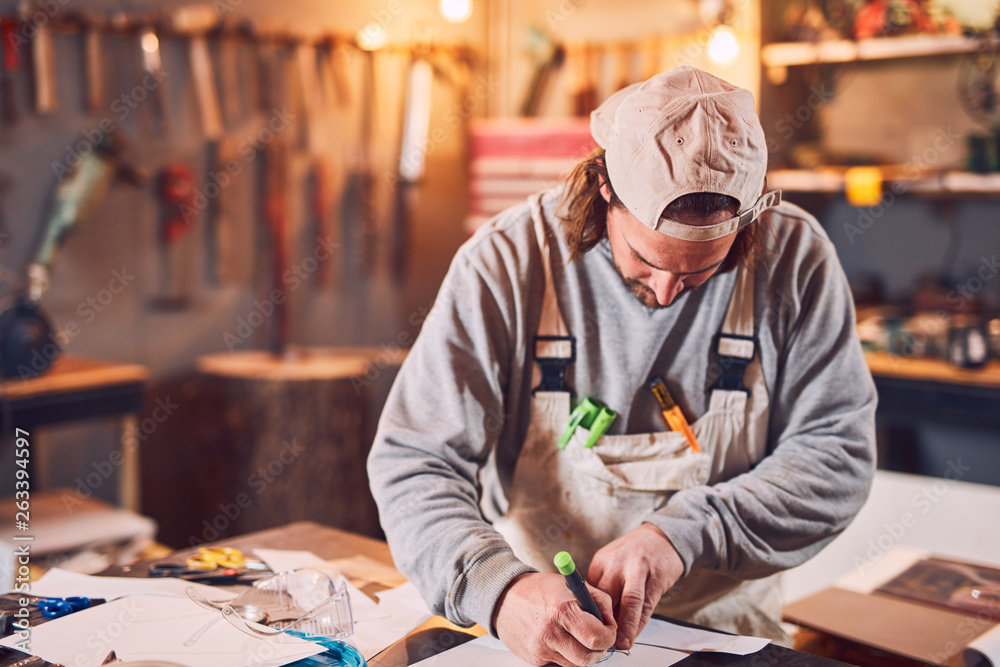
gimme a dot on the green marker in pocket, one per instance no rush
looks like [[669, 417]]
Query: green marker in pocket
[[592, 416]]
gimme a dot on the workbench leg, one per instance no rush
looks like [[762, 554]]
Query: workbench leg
[[129, 484]]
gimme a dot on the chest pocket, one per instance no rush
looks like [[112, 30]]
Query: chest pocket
[[641, 471]]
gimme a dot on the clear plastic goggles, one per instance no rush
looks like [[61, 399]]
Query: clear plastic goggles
[[289, 606]]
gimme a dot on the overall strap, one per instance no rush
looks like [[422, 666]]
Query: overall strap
[[554, 348], [735, 344]]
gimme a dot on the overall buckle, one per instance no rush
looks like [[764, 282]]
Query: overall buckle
[[554, 354], [734, 354]]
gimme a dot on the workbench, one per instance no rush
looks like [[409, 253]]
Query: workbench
[[75, 389], [438, 634], [912, 390]]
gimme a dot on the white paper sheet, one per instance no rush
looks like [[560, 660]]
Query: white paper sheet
[[157, 627], [407, 595], [875, 573], [984, 649], [362, 570], [373, 636], [660, 643], [489, 652], [279, 560], [681, 638], [63, 583]]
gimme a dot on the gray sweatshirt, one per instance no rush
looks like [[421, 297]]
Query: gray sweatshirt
[[456, 417]]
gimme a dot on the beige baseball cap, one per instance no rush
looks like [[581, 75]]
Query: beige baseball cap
[[680, 132]]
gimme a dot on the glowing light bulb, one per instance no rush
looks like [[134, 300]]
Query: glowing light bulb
[[371, 37], [723, 46], [456, 11], [149, 42]]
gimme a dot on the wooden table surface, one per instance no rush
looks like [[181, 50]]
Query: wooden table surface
[[437, 634], [434, 636]]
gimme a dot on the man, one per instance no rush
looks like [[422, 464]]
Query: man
[[652, 260]]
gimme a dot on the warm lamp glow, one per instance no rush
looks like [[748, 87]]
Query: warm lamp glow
[[723, 47], [149, 42], [371, 37], [456, 11]]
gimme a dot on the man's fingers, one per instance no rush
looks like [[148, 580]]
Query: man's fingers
[[604, 604], [630, 611], [596, 570], [648, 607], [566, 649]]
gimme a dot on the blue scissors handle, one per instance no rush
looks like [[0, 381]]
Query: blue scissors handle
[[56, 607]]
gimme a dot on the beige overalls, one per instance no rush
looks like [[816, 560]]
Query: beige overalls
[[580, 499]]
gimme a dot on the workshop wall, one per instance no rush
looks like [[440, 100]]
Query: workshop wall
[[109, 270]]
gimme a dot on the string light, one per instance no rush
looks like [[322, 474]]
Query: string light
[[723, 47], [371, 37], [456, 11]]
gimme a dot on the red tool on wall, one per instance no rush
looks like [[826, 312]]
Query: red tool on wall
[[177, 189], [274, 190], [8, 99]]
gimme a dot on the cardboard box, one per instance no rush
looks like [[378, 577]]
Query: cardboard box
[[935, 633]]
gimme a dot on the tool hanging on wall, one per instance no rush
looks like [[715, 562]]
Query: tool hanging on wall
[[91, 24], [623, 65], [5, 183], [321, 233], [221, 245], [271, 76], [177, 188], [228, 36], [152, 66], [333, 73], [274, 205], [549, 57], [357, 218], [584, 92], [412, 160], [43, 61], [196, 21], [315, 136], [8, 97], [26, 337]]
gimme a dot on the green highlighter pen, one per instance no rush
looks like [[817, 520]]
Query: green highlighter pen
[[575, 583]]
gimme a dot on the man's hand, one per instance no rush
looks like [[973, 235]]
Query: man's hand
[[538, 619], [636, 570]]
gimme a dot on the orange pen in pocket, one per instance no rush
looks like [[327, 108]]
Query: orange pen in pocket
[[672, 412]]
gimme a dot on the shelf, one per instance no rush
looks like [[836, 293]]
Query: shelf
[[883, 364], [941, 184], [880, 48]]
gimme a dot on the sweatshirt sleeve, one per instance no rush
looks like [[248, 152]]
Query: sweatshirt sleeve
[[443, 416], [821, 446]]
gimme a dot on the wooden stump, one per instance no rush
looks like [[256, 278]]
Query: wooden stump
[[297, 435]]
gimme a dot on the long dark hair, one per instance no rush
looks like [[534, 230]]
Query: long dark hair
[[584, 213]]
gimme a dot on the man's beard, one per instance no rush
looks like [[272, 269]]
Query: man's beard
[[644, 294]]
